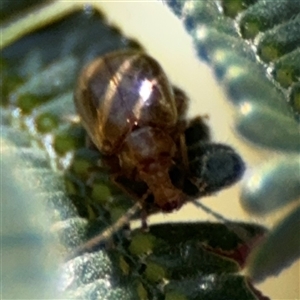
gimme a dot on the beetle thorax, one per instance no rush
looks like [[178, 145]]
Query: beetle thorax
[[149, 152]]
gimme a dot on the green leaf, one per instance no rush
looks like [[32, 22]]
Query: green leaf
[[234, 38], [40, 68], [262, 264], [29, 251]]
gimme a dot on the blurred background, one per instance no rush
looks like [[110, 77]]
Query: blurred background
[[163, 36]]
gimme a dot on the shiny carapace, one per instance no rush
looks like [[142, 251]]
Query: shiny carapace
[[134, 116]]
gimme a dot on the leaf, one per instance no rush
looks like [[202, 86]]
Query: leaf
[[262, 264], [276, 182], [28, 249], [235, 37], [40, 70]]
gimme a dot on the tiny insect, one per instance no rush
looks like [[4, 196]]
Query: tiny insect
[[137, 120]]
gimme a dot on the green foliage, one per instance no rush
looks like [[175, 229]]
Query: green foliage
[[180, 261], [255, 55]]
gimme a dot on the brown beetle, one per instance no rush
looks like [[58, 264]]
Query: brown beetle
[[134, 115]]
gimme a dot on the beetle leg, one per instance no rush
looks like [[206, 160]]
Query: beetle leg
[[181, 102], [144, 224], [183, 151]]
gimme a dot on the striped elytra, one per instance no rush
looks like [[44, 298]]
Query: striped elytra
[[121, 91], [128, 108], [135, 117]]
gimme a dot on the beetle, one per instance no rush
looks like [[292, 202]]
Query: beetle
[[137, 120]]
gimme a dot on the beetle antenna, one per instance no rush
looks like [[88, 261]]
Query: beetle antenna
[[233, 226], [210, 212], [106, 234]]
